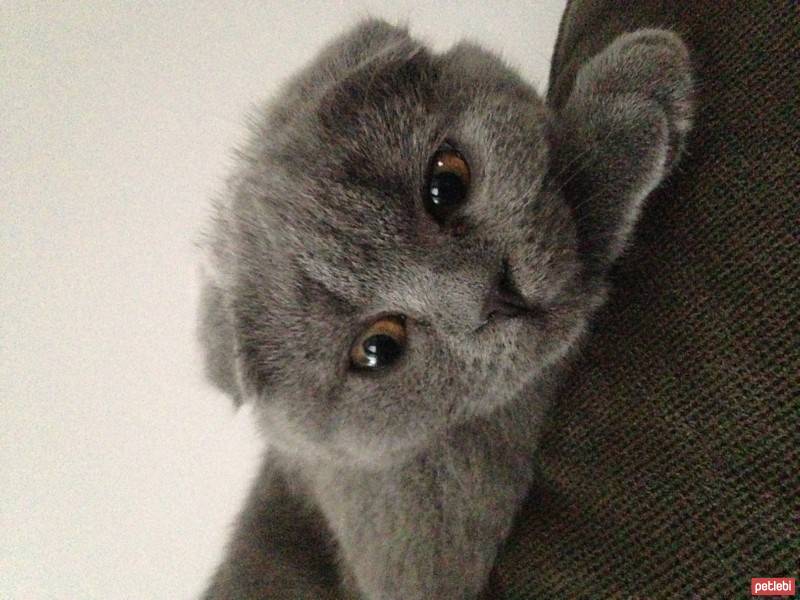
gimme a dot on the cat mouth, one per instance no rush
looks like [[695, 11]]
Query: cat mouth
[[498, 319]]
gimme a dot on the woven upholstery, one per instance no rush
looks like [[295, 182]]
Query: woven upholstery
[[671, 463]]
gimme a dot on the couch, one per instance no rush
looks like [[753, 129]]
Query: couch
[[670, 465]]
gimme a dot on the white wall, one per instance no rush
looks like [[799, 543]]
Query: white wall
[[120, 469]]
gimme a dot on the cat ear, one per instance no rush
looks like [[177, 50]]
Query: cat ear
[[619, 133], [217, 338], [367, 41], [383, 64]]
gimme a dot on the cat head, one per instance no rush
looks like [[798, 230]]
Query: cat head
[[412, 238]]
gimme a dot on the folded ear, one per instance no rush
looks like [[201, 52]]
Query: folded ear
[[217, 338], [619, 134], [368, 41]]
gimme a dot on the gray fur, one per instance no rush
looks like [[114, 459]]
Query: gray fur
[[402, 484]]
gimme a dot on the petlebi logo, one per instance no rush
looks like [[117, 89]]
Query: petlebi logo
[[772, 586]]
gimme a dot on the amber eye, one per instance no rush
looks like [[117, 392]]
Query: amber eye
[[380, 344], [447, 185]]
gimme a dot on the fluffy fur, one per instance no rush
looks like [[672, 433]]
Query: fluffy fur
[[403, 483]]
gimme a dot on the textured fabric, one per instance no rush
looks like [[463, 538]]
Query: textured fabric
[[671, 465]]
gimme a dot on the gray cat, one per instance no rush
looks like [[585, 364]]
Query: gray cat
[[407, 258]]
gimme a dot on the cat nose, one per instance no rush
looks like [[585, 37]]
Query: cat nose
[[503, 299]]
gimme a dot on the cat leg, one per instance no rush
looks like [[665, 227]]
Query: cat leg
[[428, 530], [281, 548]]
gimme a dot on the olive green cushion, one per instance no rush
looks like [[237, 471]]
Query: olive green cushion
[[671, 463]]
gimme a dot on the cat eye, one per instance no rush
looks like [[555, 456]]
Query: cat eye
[[380, 344], [447, 184]]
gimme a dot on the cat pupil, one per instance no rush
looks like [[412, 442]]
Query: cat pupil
[[447, 189], [381, 350], [447, 184]]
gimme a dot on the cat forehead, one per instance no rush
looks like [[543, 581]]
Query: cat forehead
[[342, 177], [377, 125], [386, 100]]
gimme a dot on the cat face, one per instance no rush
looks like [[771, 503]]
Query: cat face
[[395, 255]]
